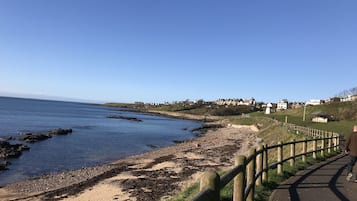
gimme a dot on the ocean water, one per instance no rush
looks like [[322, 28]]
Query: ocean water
[[95, 138]]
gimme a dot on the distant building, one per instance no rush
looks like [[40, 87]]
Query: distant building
[[283, 105], [349, 98], [296, 105], [250, 101], [333, 100], [236, 102], [320, 117], [315, 102]]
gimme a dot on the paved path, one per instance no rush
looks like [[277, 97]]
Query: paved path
[[325, 181]]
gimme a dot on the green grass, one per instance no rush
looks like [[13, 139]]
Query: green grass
[[345, 113], [187, 194]]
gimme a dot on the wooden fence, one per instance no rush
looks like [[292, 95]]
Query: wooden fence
[[252, 170]]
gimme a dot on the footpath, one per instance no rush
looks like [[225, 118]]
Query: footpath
[[325, 181]]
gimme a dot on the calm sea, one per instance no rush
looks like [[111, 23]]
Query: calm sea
[[95, 138]]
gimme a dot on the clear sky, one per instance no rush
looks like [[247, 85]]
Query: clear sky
[[156, 51]]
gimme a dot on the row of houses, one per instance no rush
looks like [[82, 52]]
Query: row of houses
[[236, 102], [284, 104], [349, 98], [281, 105]]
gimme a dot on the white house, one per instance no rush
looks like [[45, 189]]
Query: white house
[[320, 117], [283, 105], [235, 102], [314, 102], [349, 98]]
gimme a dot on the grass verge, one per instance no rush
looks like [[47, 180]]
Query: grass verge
[[262, 192]]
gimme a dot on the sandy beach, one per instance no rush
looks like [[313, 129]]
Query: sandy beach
[[154, 175]]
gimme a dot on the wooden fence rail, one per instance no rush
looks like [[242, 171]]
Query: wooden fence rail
[[252, 170]]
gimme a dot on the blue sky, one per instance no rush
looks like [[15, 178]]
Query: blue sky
[[156, 51]]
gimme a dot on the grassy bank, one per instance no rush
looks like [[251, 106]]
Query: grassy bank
[[343, 113], [262, 192]]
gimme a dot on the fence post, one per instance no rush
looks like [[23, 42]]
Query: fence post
[[251, 175], [280, 158], [323, 146], [314, 148], [265, 163], [259, 165], [210, 180], [292, 153], [329, 143], [334, 142], [304, 150], [239, 180], [338, 141]]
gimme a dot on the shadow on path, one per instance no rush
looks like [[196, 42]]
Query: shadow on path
[[319, 181]]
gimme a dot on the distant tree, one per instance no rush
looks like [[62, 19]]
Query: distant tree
[[347, 92]]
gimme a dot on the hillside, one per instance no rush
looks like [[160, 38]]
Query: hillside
[[343, 113], [198, 108]]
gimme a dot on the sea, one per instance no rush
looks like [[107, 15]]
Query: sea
[[95, 139]]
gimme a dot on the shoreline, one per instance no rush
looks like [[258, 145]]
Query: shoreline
[[157, 174]]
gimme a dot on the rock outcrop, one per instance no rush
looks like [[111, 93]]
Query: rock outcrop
[[125, 118], [35, 137], [8, 150]]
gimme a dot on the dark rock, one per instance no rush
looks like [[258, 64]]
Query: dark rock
[[125, 118], [206, 127], [60, 131], [23, 147], [35, 137], [3, 164], [152, 146], [178, 141], [4, 144], [8, 150], [31, 138]]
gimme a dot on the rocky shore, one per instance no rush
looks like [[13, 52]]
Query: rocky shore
[[151, 176], [8, 150]]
